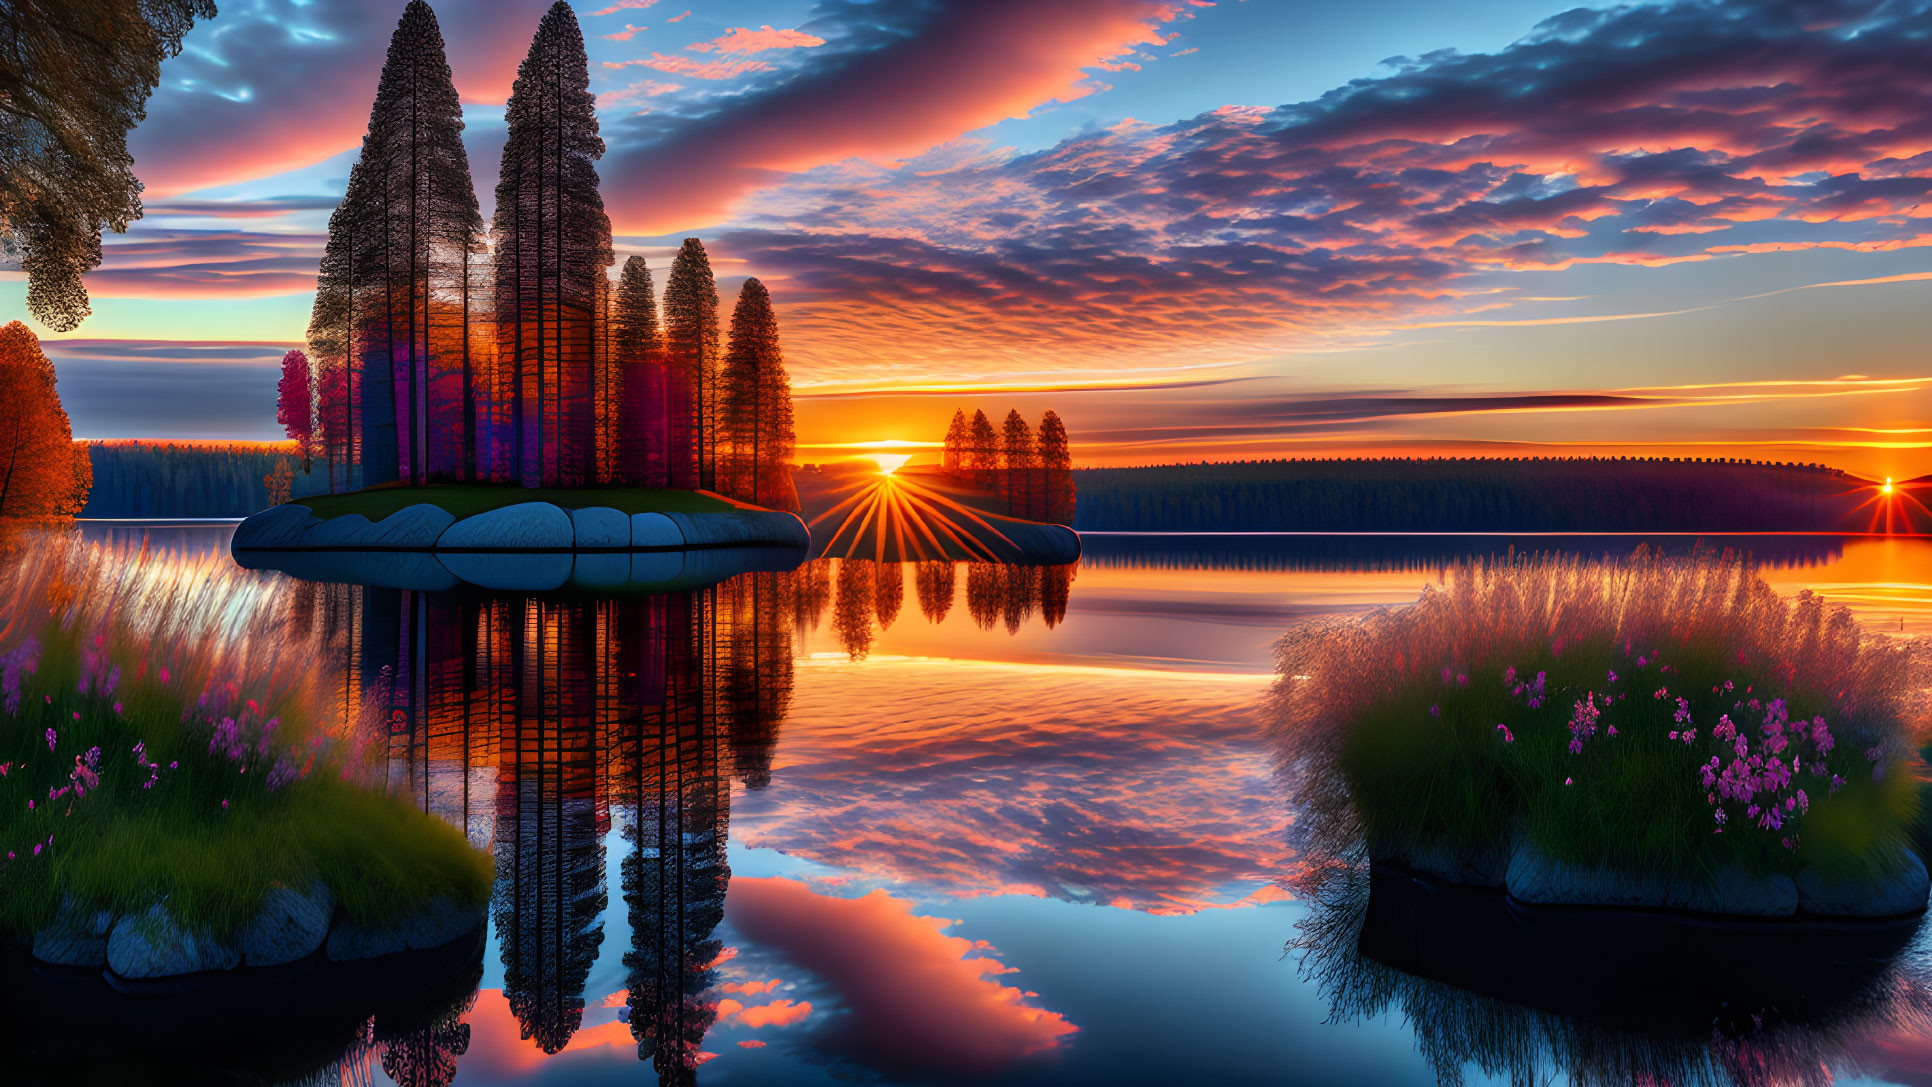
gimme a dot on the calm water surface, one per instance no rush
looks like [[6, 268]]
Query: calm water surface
[[946, 823]]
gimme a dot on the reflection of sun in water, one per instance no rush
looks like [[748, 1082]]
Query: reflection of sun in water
[[888, 462]]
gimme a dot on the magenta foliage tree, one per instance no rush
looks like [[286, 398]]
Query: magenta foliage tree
[[295, 404]]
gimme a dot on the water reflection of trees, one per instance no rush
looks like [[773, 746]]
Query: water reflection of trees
[[532, 723], [1515, 1011], [867, 595]]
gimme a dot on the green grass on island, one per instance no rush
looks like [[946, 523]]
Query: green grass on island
[[162, 738], [462, 500], [1669, 717]]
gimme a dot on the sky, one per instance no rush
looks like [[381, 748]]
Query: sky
[[1197, 230]]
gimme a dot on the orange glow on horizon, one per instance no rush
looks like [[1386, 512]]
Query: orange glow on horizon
[[889, 462]]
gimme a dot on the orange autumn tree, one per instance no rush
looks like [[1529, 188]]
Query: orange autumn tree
[[42, 472]]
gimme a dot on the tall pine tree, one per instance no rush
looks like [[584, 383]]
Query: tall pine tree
[[1017, 453], [691, 353], [1056, 458], [637, 346], [552, 245], [953, 459], [983, 450], [399, 280], [757, 403]]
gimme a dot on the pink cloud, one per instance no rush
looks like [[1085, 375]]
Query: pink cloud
[[743, 40], [917, 1000], [625, 34], [648, 88], [623, 5], [696, 69], [975, 65], [679, 17]]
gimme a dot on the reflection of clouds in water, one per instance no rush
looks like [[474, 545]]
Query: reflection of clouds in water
[[1140, 790], [914, 1001]]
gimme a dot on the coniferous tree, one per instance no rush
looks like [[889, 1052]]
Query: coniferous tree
[[691, 353], [41, 474], [757, 403], [983, 450], [552, 245], [1017, 454], [1056, 460], [958, 434], [74, 79], [421, 208], [332, 335], [637, 348]]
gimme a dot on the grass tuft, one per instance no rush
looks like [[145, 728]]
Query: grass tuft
[[160, 740], [1686, 718]]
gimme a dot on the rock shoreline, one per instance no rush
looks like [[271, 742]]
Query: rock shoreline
[[1531, 877], [524, 526], [152, 945]]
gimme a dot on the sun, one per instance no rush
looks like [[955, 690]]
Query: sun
[[1887, 489], [888, 462]]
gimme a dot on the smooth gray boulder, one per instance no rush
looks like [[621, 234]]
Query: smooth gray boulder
[[526, 526], [420, 525], [1042, 544], [1734, 892], [442, 921], [1536, 877], [1901, 890], [277, 526], [74, 937], [742, 527], [343, 530], [600, 526], [154, 945], [290, 925], [654, 530]]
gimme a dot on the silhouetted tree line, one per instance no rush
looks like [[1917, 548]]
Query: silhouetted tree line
[[189, 479], [1554, 494], [440, 354], [1425, 554], [1034, 474]]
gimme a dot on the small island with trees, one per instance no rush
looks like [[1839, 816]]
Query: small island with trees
[[469, 393]]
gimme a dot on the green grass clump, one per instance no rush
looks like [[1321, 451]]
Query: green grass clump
[[1582, 704], [235, 784], [468, 499]]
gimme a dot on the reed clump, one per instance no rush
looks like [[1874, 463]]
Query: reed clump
[[1669, 715], [162, 739]]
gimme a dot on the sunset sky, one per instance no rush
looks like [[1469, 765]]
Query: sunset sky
[[1197, 230]]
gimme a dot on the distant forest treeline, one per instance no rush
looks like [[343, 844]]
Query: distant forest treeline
[[1583, 494], [191, 479]]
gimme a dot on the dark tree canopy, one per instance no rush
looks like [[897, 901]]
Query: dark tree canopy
[[553, 243], [691, 350], [958, 434], [757, 403], [75, 76], [638, 347]]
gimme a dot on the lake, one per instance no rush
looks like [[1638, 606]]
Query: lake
[[945, 823]]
